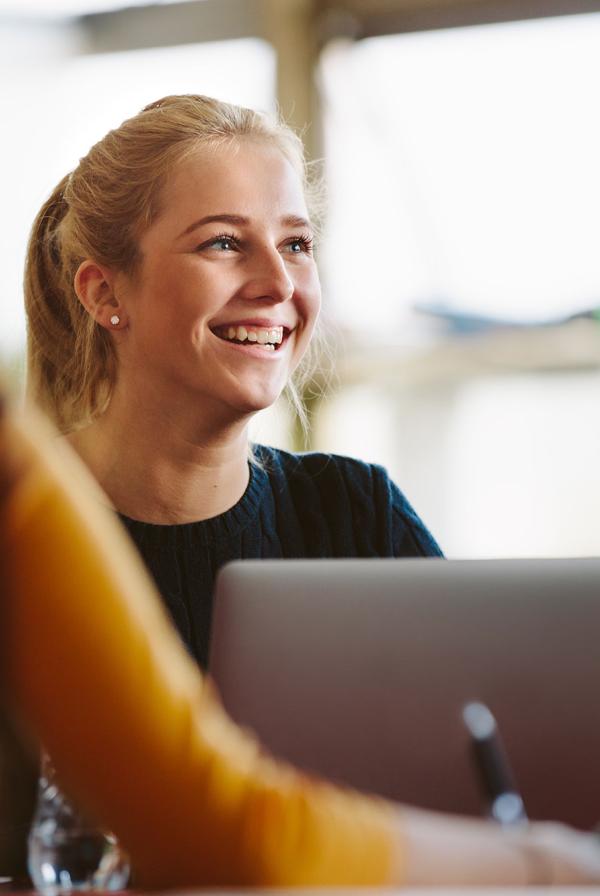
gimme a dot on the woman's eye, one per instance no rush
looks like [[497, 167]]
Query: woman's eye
[[300, 245], [225, 243]]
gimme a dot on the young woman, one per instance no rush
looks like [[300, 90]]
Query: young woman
[[92, 667], [171, 293]]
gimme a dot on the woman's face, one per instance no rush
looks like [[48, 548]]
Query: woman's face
[[227, 294]]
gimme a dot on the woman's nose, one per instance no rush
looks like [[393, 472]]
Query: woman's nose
[[269, 277]]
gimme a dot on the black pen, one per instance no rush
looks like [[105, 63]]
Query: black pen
[[504, 800]]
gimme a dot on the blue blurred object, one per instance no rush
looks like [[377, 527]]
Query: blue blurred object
[[466, 322]]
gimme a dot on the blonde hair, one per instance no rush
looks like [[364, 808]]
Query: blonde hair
[[99, 211]]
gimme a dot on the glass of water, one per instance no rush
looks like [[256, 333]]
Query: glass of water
[[66, 851]]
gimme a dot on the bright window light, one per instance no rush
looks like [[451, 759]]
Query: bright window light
[[61, 8], [53, 113], [464, 171]]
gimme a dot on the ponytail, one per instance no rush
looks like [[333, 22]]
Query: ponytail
[[68, 356]]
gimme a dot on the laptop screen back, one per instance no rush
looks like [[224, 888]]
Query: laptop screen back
[[359, 670]]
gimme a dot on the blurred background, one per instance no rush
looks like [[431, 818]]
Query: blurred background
[[460, 144]]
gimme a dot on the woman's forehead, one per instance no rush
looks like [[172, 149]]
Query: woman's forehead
[[236, 178]]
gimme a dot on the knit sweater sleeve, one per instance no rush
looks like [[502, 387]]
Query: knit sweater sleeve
[[135, 731], [409, 534], [384, 522]]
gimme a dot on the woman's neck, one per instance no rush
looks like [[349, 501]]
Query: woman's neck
[[165, 471]]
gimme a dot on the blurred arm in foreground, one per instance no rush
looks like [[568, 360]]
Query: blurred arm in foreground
[[92, 668]]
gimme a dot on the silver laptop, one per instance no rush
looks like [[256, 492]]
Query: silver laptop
[[360, 669]]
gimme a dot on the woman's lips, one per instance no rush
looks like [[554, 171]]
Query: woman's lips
[[267, 338]]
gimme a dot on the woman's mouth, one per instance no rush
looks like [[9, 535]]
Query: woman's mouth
[[267, 338]]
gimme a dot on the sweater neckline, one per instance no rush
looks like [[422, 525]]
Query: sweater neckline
[[225, 525]]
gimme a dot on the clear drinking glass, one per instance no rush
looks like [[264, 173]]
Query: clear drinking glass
[[67, 852]]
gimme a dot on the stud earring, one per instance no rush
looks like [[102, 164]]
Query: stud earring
[[115, 320]]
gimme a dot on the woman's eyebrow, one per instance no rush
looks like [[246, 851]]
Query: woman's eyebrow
[[241, 221], [295, 221], [222, 218]]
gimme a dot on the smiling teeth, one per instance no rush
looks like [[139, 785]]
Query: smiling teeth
[[266, 338]]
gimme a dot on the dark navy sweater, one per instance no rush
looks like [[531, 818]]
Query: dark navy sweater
[[295, 505]]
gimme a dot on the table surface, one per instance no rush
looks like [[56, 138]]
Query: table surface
[[367, 891], [419, 891], [388, 891], [356, 891]]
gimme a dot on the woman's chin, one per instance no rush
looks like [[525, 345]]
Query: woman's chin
[[250, 403]]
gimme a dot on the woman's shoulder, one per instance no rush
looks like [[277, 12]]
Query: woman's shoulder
[[318, 464], [351, 490]]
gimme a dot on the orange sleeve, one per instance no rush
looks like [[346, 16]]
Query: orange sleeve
[[135, 731]]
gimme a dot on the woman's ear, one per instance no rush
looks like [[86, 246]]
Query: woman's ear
[[94, 286]]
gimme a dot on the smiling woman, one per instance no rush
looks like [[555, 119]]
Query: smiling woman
[[191, 287], [172, 292]]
